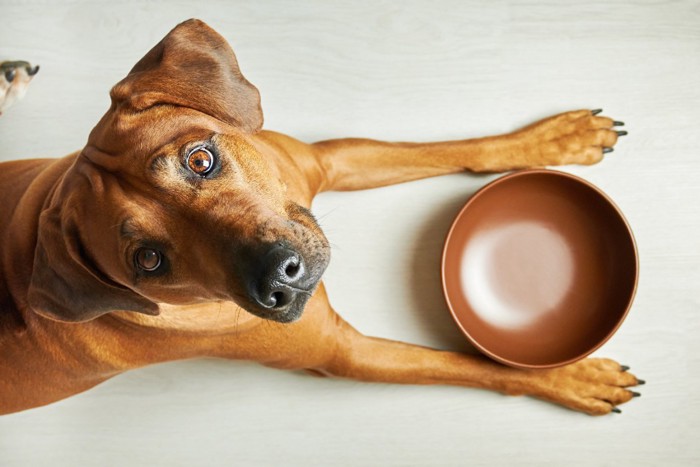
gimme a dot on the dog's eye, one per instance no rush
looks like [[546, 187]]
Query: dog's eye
[[200, 161], [10, 75], [148, 259]]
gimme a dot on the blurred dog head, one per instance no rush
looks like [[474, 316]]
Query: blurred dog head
[[14, 81]]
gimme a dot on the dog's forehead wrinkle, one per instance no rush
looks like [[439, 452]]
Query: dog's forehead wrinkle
[[123, 132], [93, 178]]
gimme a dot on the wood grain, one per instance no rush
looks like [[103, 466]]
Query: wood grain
[[399, 71]]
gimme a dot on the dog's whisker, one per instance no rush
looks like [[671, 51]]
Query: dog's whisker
[[326, 214]]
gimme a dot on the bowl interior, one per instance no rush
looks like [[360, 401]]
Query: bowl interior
[[539, 269]]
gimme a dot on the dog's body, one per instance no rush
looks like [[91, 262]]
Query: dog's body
[[182, 230]]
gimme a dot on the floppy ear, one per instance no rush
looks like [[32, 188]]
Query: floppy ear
[[65, 284], [193, 66]]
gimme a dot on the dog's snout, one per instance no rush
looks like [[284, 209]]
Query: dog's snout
[[281, 279]]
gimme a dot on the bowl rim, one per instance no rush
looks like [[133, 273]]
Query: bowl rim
[[504, 179]]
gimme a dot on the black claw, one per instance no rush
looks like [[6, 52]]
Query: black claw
[[596, 111], [621, 133], [635, 394], [641, 381], [624, 368], [607, 150], [616, 123], [616, 410]]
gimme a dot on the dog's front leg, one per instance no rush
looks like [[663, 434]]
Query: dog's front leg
[[578, 137], [594, 386]]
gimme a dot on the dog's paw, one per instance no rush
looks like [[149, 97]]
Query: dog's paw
[[595, 386], [577, 137]]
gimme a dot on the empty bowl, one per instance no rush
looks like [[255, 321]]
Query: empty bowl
[[539, 269]]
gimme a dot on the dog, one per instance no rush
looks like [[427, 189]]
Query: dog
[[182, 230], [14, 82]]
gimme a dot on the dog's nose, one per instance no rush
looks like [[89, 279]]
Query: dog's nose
[[281, 278]]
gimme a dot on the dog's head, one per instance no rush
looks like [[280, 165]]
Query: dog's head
[[172, 202]]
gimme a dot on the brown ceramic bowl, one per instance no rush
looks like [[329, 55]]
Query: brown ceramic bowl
[[539, 269]]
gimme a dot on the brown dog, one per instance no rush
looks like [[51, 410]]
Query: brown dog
[[182, 230]]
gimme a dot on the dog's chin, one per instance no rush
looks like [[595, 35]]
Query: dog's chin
[[288, 314]]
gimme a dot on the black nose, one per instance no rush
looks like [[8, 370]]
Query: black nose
[[281, 279]]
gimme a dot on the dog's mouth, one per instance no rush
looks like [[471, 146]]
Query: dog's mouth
[[288, 313]]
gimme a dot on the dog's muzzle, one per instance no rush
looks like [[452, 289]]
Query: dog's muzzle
[[281, 285]]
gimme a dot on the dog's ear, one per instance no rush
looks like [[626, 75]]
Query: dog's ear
[[193, 66], [65, 284]]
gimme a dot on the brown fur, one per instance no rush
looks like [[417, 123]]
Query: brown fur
[[73, 312]]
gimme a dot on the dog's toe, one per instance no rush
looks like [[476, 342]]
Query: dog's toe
[[594, 386]]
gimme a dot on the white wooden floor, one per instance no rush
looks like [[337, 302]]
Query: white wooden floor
[[420, 71]]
